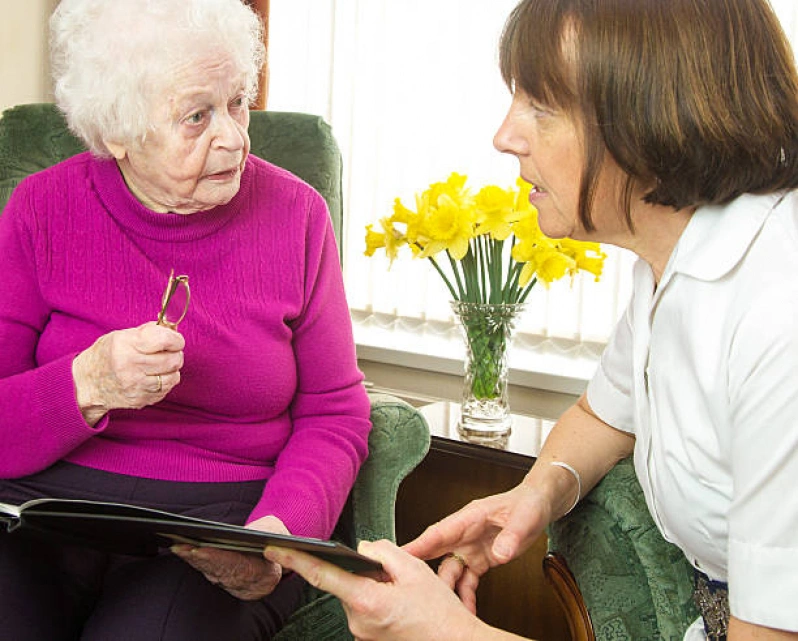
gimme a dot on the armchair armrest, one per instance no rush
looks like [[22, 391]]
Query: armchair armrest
[[635, 584], [398, 442]]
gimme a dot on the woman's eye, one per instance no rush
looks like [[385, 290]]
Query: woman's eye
[[239, 102], [540, 111], [196, 118]]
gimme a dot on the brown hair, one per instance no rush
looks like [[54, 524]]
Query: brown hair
[[696, 101]]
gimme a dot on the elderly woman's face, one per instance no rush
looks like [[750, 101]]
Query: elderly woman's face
[[193, 156]]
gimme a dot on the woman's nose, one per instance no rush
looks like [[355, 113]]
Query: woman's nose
[[508, 139], [229, 133]]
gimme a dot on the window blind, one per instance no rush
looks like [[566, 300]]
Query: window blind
[[413, 92]]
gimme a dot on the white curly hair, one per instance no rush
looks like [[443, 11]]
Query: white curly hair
[[111, 57]]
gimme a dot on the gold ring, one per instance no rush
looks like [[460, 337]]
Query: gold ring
[[160, 383], [460, 559]]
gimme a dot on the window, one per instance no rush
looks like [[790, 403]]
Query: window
[[413, 92]]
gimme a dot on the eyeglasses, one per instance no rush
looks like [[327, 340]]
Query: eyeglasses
[[175, 301]]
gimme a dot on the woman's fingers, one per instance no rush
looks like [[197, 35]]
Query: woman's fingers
[[128, 369], [245, 576], [523, 524], [412, 603], [320, 574], [466, 589], [444, 536], [152, 338], [451, 569]]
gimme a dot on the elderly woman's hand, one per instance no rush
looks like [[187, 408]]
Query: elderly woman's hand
[[245, 576], [127, 369], [485, 533], [411, 604]]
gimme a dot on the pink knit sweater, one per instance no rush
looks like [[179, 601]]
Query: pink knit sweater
[[270, 388]]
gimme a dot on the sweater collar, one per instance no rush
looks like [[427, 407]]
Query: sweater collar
[[109, 185]]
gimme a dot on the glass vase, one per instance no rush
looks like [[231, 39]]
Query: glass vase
[[485, 407]]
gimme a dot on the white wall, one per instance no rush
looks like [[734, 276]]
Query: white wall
[[24, 72]]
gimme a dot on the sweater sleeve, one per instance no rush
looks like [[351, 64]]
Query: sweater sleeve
[[330, 411], [40, 421]]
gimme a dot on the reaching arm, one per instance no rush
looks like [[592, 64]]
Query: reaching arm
[[497, 529], [409, 603], [585, 442]]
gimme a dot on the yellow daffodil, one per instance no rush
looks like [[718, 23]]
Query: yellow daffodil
[[374, 241], [588, 256], [390, 239], [496, 247], [449, 227], [496, 211]]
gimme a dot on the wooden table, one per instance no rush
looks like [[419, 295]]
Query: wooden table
[[514, 597]]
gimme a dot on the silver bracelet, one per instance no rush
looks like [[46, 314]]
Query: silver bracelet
[[578, 478]]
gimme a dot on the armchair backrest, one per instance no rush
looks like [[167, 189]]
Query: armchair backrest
[[35, 136]]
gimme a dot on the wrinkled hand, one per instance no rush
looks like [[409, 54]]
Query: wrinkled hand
[[121, 369], [485, 533], [412, 603], [246, 576]]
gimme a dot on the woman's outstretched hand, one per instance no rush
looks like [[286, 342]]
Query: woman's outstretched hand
[[246, 576], [410, 603], [485, 533], [127, 369]]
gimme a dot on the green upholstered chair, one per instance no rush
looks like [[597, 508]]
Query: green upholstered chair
[[617, 578], [33, 137]]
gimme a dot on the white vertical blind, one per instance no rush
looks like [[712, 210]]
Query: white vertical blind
[[413, 92]]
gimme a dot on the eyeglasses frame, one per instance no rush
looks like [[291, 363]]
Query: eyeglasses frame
[[171, 288]]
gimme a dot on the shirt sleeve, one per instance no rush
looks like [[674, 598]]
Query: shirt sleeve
[[763, 517], [609, 392], [330, 413], [40, 421]]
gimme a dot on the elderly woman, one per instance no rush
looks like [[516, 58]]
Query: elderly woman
[[252, 411], [670, 128]]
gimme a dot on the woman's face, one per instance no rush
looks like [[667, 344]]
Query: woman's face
[[550, 149], [194, 153]]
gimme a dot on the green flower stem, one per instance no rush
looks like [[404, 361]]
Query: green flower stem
[[496, 293], [484, 271], [471, 277], [475, 250], [527, 289], [480, 275], [463, 291], [511, 290], [443, 275], [512, 267]]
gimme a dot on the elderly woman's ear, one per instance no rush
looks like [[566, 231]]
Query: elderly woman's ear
[[116, 149]]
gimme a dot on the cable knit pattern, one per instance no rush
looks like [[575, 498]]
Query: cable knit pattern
[[270, 388]]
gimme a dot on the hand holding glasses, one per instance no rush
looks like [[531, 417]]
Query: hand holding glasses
[[175, 301]]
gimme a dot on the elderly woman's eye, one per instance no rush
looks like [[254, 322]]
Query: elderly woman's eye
[[196, 118], [238, 102]]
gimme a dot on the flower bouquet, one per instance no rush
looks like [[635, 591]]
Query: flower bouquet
[[490, 252]]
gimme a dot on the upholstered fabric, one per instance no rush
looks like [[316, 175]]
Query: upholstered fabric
[[636, 586], [33, 137]]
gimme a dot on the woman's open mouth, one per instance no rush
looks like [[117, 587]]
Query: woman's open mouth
[[536, 193], [222, 176]]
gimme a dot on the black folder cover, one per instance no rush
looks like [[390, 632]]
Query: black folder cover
[[139, 531]]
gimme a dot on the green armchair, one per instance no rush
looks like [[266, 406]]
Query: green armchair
[[615, 575], [33, 137]]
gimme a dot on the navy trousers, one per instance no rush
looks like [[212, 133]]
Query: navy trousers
[[51, 592]]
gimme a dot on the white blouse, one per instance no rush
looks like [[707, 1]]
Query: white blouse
[[703, 369]]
